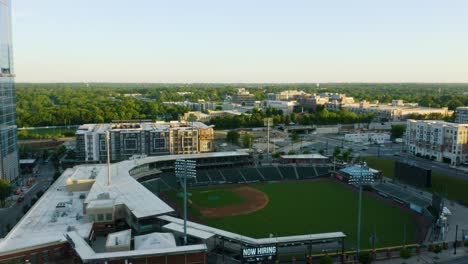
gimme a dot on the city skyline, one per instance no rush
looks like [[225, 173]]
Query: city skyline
[[266, 41]]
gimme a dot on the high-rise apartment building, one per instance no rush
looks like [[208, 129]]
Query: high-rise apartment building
[[8, 137], [461, 115], [438, 140], [142, 138]]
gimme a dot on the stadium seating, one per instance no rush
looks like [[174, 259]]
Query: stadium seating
[[215, 176], [202, 177], [251, 174], [322, 171], [288, 172], [232, 175], [270, 173], [156, 186], [170, 179], [306, 172]]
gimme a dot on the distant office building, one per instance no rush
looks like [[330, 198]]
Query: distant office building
[[461, 115], [336, 101], [311, 101], [286, 106], [8, 139], [438, 140], [288, 95], [396, 111], [145, 138], [202, 117], [200, 105], [243, 98]]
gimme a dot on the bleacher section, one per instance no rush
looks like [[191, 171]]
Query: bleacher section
[[306, 172], [156, 186], [170, 179], [215, 176], [288, 172], [270, 173], [401, 195], [251, 174], [232, 175], [202, 177], [322, 171], [167, 181]]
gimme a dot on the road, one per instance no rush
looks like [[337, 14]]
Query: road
[[463, 260], [388, 151], [10, 216]]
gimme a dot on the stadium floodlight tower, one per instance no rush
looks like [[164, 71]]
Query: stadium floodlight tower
[[185, 169], [361, 176], [268, 122]]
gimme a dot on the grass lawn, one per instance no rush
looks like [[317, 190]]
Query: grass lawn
[[318, 206], [385, 165], [451, 187]]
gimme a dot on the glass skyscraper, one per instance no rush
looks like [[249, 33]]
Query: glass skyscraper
[[8, 138]]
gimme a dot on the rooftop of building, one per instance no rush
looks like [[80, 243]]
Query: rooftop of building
[[381, 106], [304, 156], [140, 126], [438, 123], [58, 215]]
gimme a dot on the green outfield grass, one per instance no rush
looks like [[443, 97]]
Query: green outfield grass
[[449, 186], [297, 208], [215, 198], [207, 198]]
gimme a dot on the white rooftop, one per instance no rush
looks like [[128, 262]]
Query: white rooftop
[[44, 224], [139, 126], [203, 229], [304, 156], [155, 241], [118, 239]]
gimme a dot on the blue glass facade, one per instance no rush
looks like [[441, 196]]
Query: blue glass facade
[[8, 137]]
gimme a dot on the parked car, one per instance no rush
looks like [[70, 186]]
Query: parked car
[[20, 199]]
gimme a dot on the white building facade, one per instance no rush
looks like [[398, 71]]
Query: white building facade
[[366, 138], [438, 140], [461, 115]]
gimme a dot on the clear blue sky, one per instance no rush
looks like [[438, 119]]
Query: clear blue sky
[[241, 40]]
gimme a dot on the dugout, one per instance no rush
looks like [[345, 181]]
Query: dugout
[[356, 171]]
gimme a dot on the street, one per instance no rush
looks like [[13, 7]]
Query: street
[[10, 216]]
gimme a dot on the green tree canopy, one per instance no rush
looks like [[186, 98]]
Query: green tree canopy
[[5, 190], [397, 131], [233, 137]]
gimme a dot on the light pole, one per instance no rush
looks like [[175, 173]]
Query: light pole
[[268, 122], [360, 180], [185, 169]]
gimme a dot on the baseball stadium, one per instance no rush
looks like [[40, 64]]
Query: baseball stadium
[[239, 211]]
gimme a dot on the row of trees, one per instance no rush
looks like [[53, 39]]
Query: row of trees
[[68, 106], [321, 117], [65, 104]]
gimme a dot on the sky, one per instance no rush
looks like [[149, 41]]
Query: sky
[[187, 41]]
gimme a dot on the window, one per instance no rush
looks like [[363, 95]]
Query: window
[[33, 258], [130, 144], [91, 218], [109, 217], [57, 252], [45, 256], [100, 217]]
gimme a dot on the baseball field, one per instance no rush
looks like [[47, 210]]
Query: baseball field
[[301, 207]]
